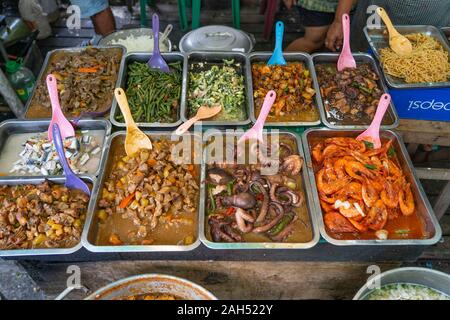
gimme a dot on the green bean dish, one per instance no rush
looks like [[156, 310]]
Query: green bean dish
[[153, 96], [212, 84]]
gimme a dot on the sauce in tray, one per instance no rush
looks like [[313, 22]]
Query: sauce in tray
[[365, 194], [139, 221]]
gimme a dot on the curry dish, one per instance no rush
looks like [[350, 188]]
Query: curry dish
[[364, 193], [46, 215], [294, 87], [147, 198], [86, 81], [243, 205]]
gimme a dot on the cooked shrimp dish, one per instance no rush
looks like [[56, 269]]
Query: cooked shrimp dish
[[363, 192]]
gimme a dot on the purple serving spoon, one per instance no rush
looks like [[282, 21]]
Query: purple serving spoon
[[72, 181], [57, 114], [157, 61], [346, 59]]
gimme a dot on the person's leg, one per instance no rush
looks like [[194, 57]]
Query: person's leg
[[316, 25], [100, 14], [104, 22], [313, 40]]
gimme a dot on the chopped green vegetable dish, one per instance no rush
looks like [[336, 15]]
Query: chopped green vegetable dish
[[217, 85]]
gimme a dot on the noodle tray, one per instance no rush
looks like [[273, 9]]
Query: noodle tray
[[420, 101]]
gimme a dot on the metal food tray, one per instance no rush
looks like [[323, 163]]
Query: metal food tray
[[88, 237], [217, 57], [422, 204], [45, 65], [377, 39], [289, 57], [37, 126], [261, 245], [446, 31], [319, 58], [49, 251], [144, 57]]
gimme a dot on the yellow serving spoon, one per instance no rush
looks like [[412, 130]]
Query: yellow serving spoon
[[135, 139], [398, 43]]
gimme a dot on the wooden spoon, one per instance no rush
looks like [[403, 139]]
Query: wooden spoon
[[204, 112], [398, 43], [135, 139]]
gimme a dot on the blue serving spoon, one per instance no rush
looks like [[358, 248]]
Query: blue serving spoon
[[277, 56], [72, 181]]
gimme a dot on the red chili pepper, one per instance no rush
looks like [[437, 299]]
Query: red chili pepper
[[230, 211], [260, 196]]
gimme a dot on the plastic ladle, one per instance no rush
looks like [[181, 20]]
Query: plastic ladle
[[135, 139], [277, 56], [58, 117], [157, 61], [255, 132], [372, 133], [398, 43], [72, 181], [346, 59], [204, 112]]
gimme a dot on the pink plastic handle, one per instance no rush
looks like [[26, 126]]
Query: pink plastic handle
[[265, 109], [346, 31], [383, 104], [53, 93]]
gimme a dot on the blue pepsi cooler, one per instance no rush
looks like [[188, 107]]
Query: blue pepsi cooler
[[421, 101], [422, 104]]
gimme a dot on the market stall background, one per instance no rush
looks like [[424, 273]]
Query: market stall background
[[222, 277]]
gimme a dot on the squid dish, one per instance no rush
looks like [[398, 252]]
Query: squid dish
[[363, 192], [244, 205]]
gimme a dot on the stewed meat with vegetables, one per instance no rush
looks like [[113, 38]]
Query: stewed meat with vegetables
[[351, 95], [46, 215], [149, 199], [243, 205], [294, 87], [86, 81]]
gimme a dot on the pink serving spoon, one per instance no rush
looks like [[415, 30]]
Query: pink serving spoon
[[372, 133], [58, 117], [346, 59], [255, 132]]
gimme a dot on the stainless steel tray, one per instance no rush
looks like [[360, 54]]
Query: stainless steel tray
[[446, 31], [378, 39], [203, 56], [50, 251], [422, 205], [289, 57], [43, 71], [261, 245], [319, 58], [144, 57], [36, 126], [88, 238]]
